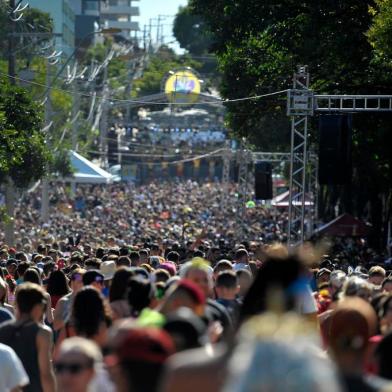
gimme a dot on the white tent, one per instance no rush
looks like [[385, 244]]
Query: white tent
[[86, 172]]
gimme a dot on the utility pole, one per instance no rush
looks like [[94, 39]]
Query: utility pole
[[160, 17], [145, 38], [128, 89], [10, 189], [150, 35], [75, 113], [103, 126], [45, 180]]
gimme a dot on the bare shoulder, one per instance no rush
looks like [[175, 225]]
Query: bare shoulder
[[45, 332], [61, 301]]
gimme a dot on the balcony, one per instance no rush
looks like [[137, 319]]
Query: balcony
[[120, 10], [92, 13], [114, 24]]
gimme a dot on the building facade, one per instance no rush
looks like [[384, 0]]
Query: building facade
[[63, 16], [92, 15], [120, 14]]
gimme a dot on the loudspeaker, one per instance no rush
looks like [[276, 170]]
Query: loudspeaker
[[263, 181], [335, 166]]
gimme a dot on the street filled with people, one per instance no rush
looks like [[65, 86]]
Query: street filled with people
[[150, 288]]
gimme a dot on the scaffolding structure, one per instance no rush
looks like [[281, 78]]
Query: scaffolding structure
[[301, 104], [299, 108]]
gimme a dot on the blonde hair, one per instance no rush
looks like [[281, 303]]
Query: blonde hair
[[278, 251]]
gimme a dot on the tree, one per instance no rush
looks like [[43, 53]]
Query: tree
[[159, 65], [380, 33], [260, 43], [23, 151], [191, 32], [34, 21]]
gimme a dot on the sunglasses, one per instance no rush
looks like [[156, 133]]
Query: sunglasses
[[77, 277], [71, 368]]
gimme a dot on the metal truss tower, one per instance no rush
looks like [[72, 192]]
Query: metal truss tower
[[300, 107], [301, 104], [244, 158]]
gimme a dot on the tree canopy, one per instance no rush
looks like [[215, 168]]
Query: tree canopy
[[380, 33], [159, 65], [23, 151], [191, 31], [260, 43], [34, 21]]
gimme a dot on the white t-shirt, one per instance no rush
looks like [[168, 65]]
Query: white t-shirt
[[101, 382], [12, 373]]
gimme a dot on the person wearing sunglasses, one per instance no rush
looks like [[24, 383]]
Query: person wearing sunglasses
[[76, 364]]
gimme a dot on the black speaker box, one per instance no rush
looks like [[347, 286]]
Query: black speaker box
[[335, 165], [263, 181]]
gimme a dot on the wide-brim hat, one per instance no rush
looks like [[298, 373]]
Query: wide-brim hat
[[108, 269]]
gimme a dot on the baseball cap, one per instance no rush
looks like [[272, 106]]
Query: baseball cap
[[152, 345]]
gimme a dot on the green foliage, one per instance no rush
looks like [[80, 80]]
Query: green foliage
[[159, 65], [260, 43], [191, 32], [26, 46], [380, 33], [23, 152], [348, 50], [248, 70], [61, 164], [118, 72]]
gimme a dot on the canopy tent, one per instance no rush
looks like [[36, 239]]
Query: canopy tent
[[86, 172], [344, 226], [282, 200]]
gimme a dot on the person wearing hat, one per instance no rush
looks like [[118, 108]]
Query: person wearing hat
[[350, 326], [139, 358], [108, 269]]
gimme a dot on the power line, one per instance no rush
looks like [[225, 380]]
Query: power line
[[220, 101]]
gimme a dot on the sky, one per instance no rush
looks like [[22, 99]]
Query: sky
[[153, 8]]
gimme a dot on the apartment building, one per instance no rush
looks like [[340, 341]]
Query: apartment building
[[63, 16], [120, 14]]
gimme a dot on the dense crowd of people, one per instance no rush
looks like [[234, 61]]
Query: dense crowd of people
[[172, 211], [150, 289]]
